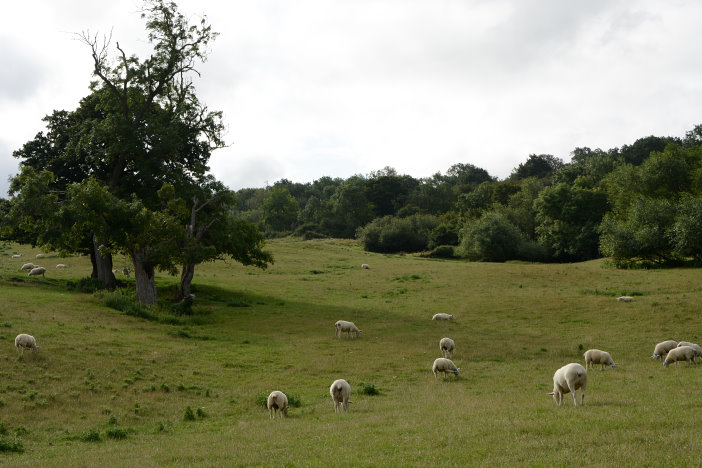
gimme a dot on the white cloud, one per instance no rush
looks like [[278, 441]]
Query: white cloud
[[312, 88]]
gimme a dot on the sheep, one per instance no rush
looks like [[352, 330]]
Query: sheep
[[568, 379], [61, 265], [39, 255], [695, 346], [37, 270], [447, 347], [683, 353], [663, 347], [444, 365], [365, 266], [277, 401], [595, 356], [23, 341], [625, 299], [442, 316], [348, 327], [340, 391], [17, 256], [28, 266]]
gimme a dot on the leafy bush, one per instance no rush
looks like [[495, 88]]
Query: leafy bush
[[86, 285], [391, 234], [442, 251], [188, 415], [7, 445], [116, 433], [91, 435], [368, 389]]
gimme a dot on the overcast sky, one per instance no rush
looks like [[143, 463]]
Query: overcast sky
[[313, 88]]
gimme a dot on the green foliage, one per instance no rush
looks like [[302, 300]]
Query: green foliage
[[280, 210], [368, 389], [493, 238], [14, 445], [391, 234], [188, 414], [116, 433], [91, 435]]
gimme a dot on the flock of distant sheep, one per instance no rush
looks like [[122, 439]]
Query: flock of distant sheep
[[567, 379]]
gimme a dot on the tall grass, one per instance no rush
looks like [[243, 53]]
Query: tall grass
[[253, 331]]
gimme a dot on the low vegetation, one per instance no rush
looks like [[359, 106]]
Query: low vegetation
[[110, 388]]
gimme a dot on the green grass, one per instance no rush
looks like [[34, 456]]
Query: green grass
[[112, 388]]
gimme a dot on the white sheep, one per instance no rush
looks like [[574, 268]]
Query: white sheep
[[663, 347], [28, 266], [348, 327], [39, 255], [340, 391], [683, 353], [596, 356], [625, 299], [444, 365], [23, 341], [447, 347], [568, 379], [17, 256], [695, 346], [365, 266], [277, 401], [61, 265], [37, 270], [442, 316]]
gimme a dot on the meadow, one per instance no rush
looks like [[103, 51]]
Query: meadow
[[111, 389]]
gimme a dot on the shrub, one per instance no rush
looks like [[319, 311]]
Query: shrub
[[188, 415], [91, 435], [490, 238], [368, 389], [86, 285], [116, 433], [442, 251], [11, 445], [391, 234]]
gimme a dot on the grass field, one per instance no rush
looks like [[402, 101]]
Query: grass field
[[109, 389]]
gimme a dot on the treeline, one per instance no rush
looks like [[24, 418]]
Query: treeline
[[639, 204]]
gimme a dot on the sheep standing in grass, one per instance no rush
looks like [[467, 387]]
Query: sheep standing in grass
[[683, 353], [340, 391], [37, 270], [442, 316], [365, 266], [61, 265], [695, 346], [278, 402], [595, 356], [24, 341], [625, 299], [568, 379], [444, 365], [28, 266], [663, 347], [447, 347], [347, 327], [17, 256]]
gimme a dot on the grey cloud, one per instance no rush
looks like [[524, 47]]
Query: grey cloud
[[20, 75]]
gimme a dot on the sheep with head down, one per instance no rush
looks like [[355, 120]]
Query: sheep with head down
[[277, 403], [682, 353], [447, 347], [340, 391], [442, 316], [444, 365], [663, 348], [596, 356], [568, 379], [24, 341]]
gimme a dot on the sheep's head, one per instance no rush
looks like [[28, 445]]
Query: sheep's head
[[285, 411], [455, 371], [613, 365]]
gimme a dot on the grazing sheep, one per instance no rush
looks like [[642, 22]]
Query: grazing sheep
[[444, 365], [695, 346], [625, 299], [447, 347], [39, 255], [365, 266], [61, 265], [663, 347], [348, 327], [23, 341], [683, 353], [568, 379], [442, 316], [595, 356], [28, 266], [16, 255], [277, 401], [37, 270], [340, 391]]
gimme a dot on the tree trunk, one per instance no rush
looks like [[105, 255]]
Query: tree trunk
[[144, 277], [186, 278], [103, 265], [94, 273]]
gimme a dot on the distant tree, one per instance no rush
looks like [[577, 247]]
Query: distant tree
[[280, 210], [686, 232], [490, 238], [642, 148], [542, 165]]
